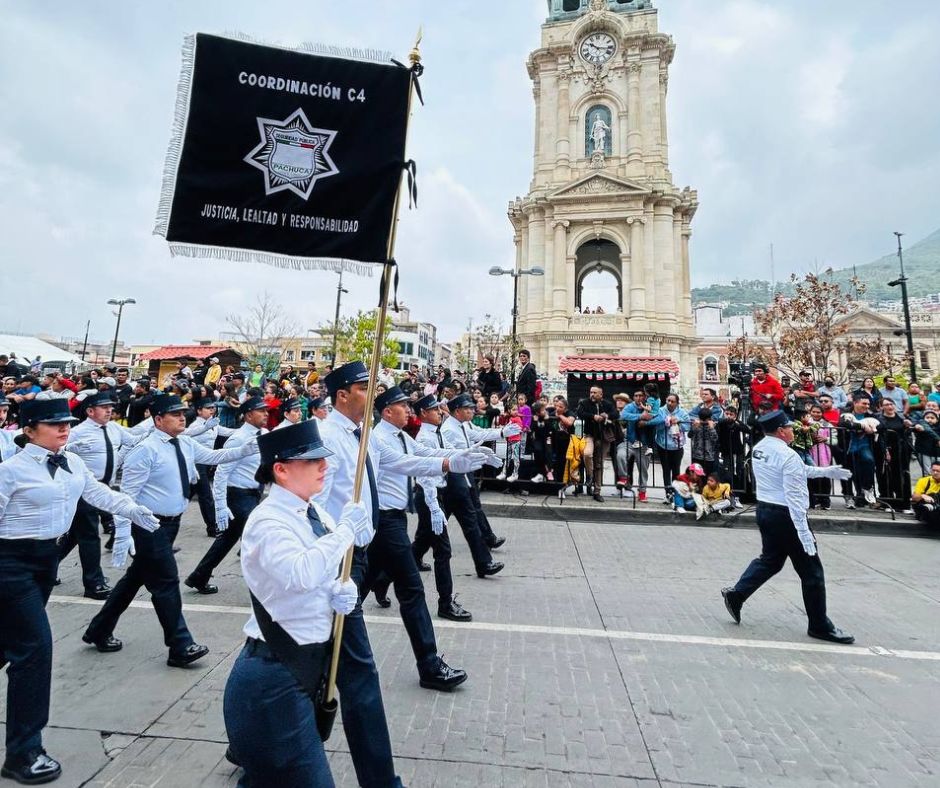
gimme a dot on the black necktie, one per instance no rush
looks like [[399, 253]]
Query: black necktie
[[56, 461], [411, 487], [318, 528], [109, 455], [184, 472], [373, 489], [440, 438], [463, 428]]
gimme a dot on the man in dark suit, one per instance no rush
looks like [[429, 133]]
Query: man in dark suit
[[527, 378], [599, 416]]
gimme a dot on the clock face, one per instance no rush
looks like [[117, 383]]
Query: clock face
[[597, 48]]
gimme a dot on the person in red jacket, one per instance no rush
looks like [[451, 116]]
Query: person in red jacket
[[765, 388]]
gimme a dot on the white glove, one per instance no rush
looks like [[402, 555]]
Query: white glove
[[840, 474], [438, 521], [122, 548], [358, 521], [213, 422], [143, 517], [511, 430], [493, 462], [466, 461], [251, 448], [344, 596], [809, 544], [222, 515], [481, 449], [81, 445]]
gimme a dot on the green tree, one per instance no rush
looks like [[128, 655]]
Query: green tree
[[356, 336]]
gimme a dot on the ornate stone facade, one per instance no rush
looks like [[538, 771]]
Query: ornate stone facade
[[602, 197]]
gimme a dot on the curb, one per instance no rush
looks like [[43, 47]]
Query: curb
[[541, 507]]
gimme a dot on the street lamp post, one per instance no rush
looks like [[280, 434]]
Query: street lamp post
[[902, 281], [119, 303], [515, 274], [339, 295]]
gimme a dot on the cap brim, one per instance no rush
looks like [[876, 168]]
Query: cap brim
[[57, 420], [395, 401], [174, 409], [318, 453]]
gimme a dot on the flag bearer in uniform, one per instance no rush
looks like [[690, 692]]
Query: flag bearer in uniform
[[98, 441], [782, 502], [236, 494], [39, 490], [157, 474], [292, 552]]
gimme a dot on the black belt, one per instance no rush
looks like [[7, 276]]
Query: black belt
[[254, 491], [773, 505], [23, 542], [317, 651]]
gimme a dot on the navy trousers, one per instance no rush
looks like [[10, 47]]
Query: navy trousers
[[27, 574], [154, 567], [83, 533], [779, 541], [204, 496], [360, 697], [390, 553], [489, 538], [271, 724], [458, 501], [439, 545], [242, 503]]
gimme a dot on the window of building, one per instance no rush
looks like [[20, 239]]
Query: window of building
[[924, 359], [711, 369], [289, 355], [308, 355], [570, 5], [406, 348]]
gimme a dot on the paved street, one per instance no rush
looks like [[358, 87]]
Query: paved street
[[602, 656]]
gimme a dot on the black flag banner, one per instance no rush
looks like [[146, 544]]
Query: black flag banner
[[284, 156]]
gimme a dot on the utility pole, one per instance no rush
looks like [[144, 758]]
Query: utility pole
[[469, 345], [119, 303], [902, 281], [85, 343], [339, 296], [773, 275]]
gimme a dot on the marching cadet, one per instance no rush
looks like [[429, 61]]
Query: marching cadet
[[236, 494], [782, 502], [390, 552], [39, 490], [462, 494], [157, 473], [205, 430], [358, 682], [292, 412], [292, 551], [98, 441]]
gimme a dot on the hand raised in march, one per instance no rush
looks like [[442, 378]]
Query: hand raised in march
[[840, 474], [511, 430], [343, 596], [357, 519], [142, 517]]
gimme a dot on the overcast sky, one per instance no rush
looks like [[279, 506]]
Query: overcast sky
[[810, 125]]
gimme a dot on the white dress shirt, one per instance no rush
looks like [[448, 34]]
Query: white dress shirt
[[152, 475], [289, 569], [87, 441], [393, 487], [433, 437], [35, 505], [206, 437], [239, 474], [7, 447], [338, 434], [463, 434], [780, 475]]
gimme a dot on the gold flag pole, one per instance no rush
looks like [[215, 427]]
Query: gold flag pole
[[414, 58]]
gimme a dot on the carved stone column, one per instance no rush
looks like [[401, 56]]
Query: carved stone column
[[665, 304], [562, 143], [664, 136], [635, 121], [533, 285], [560, 263], [637, 302], [649, 263]]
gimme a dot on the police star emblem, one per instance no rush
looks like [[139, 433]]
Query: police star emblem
[[292, 154]]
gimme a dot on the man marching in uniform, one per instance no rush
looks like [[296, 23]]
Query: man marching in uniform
[[157, 473], [39, 490], [292, 411], [292, 553], [205, 430], [97, 440], [236, 494], [782, 502], [462, 497], [390, 552]]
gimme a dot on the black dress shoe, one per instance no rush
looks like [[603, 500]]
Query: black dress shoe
[[191, 654], [381, 598], [100, 591], [231, 757], [492, 568], [202, 588], [498, 542], [733, 603], [212, 533], [598, 497], [58, 582], [109, 545], [104, 645], [453, 611], [34, 768], [443, 678], [423, 566], [834, 635]]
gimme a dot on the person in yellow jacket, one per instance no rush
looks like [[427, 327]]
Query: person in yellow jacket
[[214, 373]]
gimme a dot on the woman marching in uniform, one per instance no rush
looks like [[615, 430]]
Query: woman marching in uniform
[[39, 491], [291, 556]]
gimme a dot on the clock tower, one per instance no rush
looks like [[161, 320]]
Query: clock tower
[[603, 218]]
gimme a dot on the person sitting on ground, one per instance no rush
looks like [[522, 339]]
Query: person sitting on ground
[[926, 497], [716, 496], [686, 486]]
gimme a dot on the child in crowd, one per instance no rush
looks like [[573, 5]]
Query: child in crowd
[[653, 404], [716, 497], [704, 441], [513, 447], [525, 412], [540, 440], [804, 435], [686, 486]]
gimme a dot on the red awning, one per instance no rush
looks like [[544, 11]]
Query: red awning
[[183, 351], [605, 367]]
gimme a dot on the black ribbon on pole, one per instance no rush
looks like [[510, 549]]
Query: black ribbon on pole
[[391, 267], [416, 71], [411, 169]]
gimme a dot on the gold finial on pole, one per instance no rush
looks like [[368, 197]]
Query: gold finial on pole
[[414, 56]]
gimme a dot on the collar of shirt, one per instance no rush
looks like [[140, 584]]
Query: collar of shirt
[[288, 500], [36, 452], [341, 420], [386, 430]]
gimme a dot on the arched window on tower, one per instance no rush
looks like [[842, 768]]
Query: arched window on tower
[[570, 5], [598, 131]]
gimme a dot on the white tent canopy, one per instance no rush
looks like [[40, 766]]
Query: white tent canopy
[[27, 348]]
